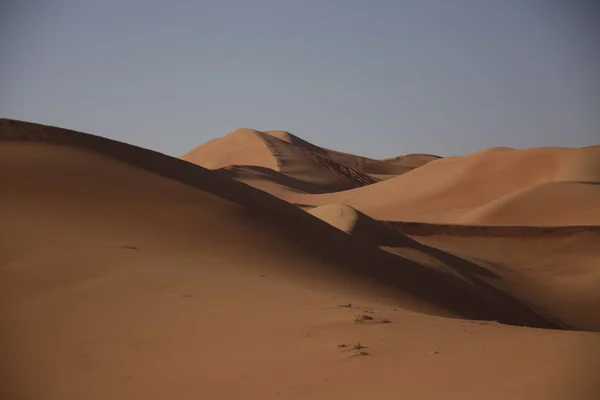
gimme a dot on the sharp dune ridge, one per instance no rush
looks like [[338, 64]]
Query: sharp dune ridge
[[130, 274], [274, 211], [485, 188], [490, 269], [355, 223], [496, 186], [281, 151]]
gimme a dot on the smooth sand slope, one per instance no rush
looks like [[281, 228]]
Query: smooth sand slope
[[541, 186], [294, 159], [390, 166], [545, 204], [293, 164], [352, 221], [555, 271], [127, 274], [496, 186]]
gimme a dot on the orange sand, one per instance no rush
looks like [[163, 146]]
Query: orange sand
[[128, 274]]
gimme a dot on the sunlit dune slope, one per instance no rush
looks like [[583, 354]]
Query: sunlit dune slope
[[353, 222], [80, 189], [314, 169], [554, 270], [128, 274], [276, 151], [473, 189]]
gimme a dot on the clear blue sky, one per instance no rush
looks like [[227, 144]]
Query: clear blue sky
[[378, 78]]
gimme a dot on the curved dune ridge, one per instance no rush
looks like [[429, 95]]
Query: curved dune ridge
[[130, 274], [240, 147], [246, 217], [352, 221], [545, 204], [387, 167], [554, 270], [317, 169], [474, 188], [494, 186], [281, 152]]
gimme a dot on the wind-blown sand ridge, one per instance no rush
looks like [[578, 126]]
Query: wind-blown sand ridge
[[130, 274]]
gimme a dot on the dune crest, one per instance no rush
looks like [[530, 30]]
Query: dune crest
[[445, 190], [240, 147], [129, 274], [281, 152], [322, 170], [224, 202], [352, 221], [419, 187], [546, 204]]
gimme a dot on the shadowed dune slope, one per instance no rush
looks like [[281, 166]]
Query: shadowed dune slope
[[281, 152], [391, 166], [351, 221], [316, 169], [273, 182], [555, 270], [128, 274], [240, 147], [93, 186], [445, 190]]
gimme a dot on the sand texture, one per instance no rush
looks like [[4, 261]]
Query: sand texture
[[261, 266]]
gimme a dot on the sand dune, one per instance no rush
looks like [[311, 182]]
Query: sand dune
[[129, 274], [390, 166], [240, 147], [281, 152], [545, 204], [351, 221], [446, 190], [554, 270], [495, 186], [247, 218], [270, 181], [317, 170]]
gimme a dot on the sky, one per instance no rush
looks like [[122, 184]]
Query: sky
[[376, 78]]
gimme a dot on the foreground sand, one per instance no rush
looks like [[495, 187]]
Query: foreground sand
[[128, 274]]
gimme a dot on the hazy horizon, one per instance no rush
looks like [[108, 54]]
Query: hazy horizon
[[377, 80]]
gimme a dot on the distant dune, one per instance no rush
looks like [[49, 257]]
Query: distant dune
[[495, 186], [129, 274], [317, 170], [281, 152], [544, 204], [240, 147], [473, 189]]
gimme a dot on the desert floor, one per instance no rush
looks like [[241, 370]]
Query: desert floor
[[261, 266]]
